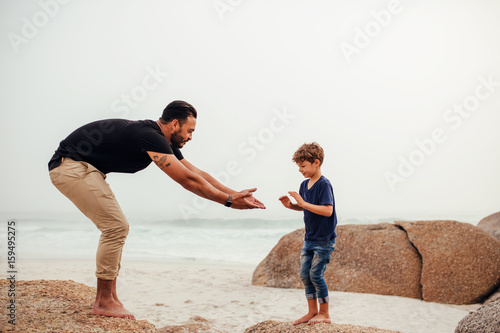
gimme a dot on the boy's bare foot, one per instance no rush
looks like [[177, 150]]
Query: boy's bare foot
[[305, 319], [111, 308], [320, 318]]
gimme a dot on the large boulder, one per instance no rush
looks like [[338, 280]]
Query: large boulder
[[460, 262], [368, 259], [375, 259], [280, 269], [494, 297], [437, 261], [485, 320], [491, 224]]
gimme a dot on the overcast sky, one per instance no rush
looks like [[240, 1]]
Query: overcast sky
[[404, 97]]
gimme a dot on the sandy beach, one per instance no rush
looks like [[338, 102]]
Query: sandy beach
[[171, 293]]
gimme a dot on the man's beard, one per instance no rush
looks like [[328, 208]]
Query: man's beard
[[176, 139]]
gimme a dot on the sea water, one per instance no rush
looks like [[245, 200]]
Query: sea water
[[245, 241], [241, 241]]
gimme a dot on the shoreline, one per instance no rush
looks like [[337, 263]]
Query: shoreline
[[166, 293]]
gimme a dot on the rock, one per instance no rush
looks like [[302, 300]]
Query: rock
[[460, 262], [485, 320], [272, 326], [494, 297], [491, 224], [195, 324], [280, 269], [62, 306], [368, 259], [437, 261], [375, 259]]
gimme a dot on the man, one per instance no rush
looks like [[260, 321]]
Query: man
[[79, 166]]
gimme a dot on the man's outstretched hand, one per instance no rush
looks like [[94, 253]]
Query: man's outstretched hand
[[245, 200]]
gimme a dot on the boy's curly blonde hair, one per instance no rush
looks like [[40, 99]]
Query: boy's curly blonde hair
[[309, 152]]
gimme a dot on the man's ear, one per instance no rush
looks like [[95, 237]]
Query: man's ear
[[175, 124]]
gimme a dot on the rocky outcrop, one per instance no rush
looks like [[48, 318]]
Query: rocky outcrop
[[281, 267], [272, 326], [195, 324], [61, 306], [494, 297], [491, 224], [485, 320], [438, 261], [368, 259], [460, 262], [375, 259]]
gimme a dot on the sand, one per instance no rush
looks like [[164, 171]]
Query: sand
[[171, 293]]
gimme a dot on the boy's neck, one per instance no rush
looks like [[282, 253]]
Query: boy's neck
[[314, 178]]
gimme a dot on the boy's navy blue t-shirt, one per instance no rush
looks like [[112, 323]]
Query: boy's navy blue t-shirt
[[319, 229]]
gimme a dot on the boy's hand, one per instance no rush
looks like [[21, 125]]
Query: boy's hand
[[285, 200], [297, 198]]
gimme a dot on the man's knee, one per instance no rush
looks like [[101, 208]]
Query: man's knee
[[124, 229], [118, 231]]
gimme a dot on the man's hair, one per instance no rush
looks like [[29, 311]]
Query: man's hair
[[179, 110], [309, 152]]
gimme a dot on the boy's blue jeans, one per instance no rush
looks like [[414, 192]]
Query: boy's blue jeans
[[313, 260]]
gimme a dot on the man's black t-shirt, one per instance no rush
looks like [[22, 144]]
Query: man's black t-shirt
[[115, 145]]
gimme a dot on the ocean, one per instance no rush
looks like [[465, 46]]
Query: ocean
[[242, 241]]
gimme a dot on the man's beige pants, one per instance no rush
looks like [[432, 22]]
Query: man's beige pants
[[87, 188]]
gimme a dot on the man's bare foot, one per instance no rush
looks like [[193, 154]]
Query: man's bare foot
[[113, 292], [111, 308], [320, 318], [107, 303], [305, 319]]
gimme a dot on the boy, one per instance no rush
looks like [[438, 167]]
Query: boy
[[315, 199]]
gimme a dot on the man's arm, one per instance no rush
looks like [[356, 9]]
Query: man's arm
[[323, 210], [197, 184], [215, 183]]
